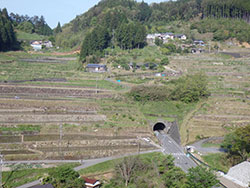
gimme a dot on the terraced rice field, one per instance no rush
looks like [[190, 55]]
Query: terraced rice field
[[228, 106], [38, 94]]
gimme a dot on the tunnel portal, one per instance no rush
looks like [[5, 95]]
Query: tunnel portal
[[159, 126]]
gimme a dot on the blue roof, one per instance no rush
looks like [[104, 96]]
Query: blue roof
[[95, 66]]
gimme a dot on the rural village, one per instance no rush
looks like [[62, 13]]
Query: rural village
[[130, 103]]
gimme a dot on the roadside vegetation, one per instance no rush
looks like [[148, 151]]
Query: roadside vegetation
[[18, 176]]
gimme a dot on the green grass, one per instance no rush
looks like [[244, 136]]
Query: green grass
[[20, 177], [217, 161], [29, 37], [167, 110], [209, 145]]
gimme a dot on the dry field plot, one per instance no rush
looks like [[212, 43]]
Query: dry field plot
[[229, 104]]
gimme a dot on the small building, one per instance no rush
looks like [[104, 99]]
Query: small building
[[36, 45], [239, 174], [180, 36], [48, 44], [91, 183], [199, 43], [168, 36], [96, 68]]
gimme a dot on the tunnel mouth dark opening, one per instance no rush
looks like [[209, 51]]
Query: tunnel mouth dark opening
[[159, 126]]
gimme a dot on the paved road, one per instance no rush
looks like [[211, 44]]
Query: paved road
[[37, 182], [203, 150], [85, 163], [40, 161], [171, 147]]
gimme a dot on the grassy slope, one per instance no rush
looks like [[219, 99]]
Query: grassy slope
[[29, 37]]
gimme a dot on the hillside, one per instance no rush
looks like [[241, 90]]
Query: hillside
[[155, 16]]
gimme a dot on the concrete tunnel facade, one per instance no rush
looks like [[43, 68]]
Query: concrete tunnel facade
[[159, 126]]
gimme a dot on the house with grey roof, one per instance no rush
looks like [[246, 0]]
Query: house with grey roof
[[239, 175]]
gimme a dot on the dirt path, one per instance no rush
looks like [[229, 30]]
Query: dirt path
[[184, 132]]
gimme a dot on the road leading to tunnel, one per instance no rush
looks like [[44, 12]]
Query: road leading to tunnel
[[172, 148]]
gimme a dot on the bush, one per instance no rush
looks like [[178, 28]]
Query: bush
[[149, 93], [190, 88], [164, 61], [186, 89]]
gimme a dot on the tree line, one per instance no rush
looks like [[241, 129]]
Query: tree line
[[239, 9], [156, 14], [114, 30], [8, 39], [33, 24]]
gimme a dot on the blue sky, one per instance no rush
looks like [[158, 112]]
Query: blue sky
[[54, 11]]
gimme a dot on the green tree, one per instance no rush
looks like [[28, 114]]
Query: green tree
[[158, 42], [237, 144], [200, 177], [27, 27], [64, 177], [164, 61], [58, 28], [190, 88], [7, 34]]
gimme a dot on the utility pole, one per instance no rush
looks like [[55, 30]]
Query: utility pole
[[96, 85], [60, 141], [1, 163], [139, 146]]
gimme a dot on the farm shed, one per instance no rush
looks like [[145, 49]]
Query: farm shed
[[96, 68]]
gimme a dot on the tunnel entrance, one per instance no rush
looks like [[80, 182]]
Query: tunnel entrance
[[159, 126]]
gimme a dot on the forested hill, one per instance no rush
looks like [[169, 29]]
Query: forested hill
[[150, 15], [8, 39]]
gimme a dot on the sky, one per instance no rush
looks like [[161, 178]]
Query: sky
[[54, 11]]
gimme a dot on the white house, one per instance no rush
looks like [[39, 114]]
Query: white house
[[38, 45], [181, 36]]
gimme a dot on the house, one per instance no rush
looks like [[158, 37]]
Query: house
[[96, 68], [43, 186], [91, 183], [180, 36], [48, 44], [37, 45], [239, 175], [168, 36], [199, 42]]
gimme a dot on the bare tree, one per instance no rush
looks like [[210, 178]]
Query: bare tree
[[126, 168]]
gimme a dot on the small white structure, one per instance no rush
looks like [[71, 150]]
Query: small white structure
[[181, 36]]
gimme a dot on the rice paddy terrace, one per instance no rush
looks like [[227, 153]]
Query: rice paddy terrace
[[228, 106], [50, 111]]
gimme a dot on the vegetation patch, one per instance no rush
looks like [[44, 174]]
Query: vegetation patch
[[18, 177], [217, 161]]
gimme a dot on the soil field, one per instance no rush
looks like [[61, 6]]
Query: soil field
[[15, 90]]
